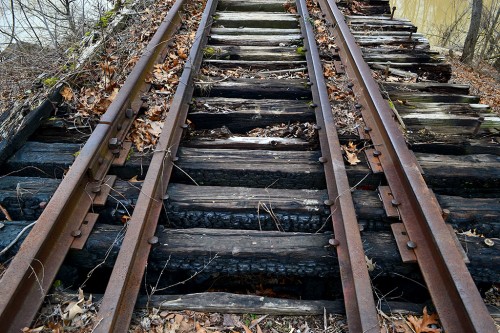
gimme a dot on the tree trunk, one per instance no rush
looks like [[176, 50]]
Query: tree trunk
[[472, 35]]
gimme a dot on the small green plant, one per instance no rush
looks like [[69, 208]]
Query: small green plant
[[105, 19], [57, 284], [301, 50], [75, 154], [209, 51], [50, 81], [130, 153]]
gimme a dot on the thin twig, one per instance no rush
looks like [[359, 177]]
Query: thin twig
[[14, 241], [338, 196], [6, 213], [192, 276], [184, 172]]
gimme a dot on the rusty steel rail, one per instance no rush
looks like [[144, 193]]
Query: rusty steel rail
[[356, 285], [121, 293], [454, 294], [33, 269]]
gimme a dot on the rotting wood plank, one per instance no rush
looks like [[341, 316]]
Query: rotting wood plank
[[249, 105], [428, 71], [253, 64], [256, 20], [225, 302], [391, 49], [454, 145], [449, 108], [249, 208], [242, 252], [216, 198], [464, 175], [432, 87], [279, 169], [445, 124], [252, 53], [382, 23], [433, 97], [254, 31], [375, 18], [241, 115], [366, 7], [367, 33], [255, 40], [19, 124], [236, 303], [368, 26], [366, 40], [447, 172], [246, 208], [245, 142], [251, 6], [405, 58], [24, 198], [254, 88]]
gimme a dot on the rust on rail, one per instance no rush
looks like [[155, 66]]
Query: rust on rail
[[356, 285], [32, 271], [121, 293], [457, 300]]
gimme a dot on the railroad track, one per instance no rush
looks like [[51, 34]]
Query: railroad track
[[246, 204]]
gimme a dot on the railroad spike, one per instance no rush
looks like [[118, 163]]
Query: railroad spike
[[446, 214], [76, 233], [334, 242], [95, 187], [114, 143], [328, 202], [129, 113], [153, 240], [411, 245]]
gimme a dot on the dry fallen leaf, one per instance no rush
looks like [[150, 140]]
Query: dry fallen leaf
[[124, 219], [247, 330], [352, 158], [199, 329], [107, 68], [257, 321], [422, 325], [72, 310], [67, 93], [351, 152], [370, 264]]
